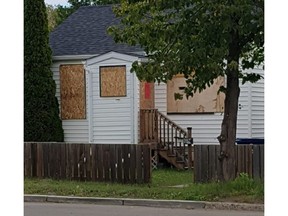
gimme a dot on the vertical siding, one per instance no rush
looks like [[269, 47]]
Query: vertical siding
[[137, 109], [136, 104], [113, 117], [243, 117], [74, 130], [257, 111], [161, 97]]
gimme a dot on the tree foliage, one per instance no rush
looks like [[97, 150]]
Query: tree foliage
[[41, 111], [52, 16], [193, 35], [79, 3], [202, 39]]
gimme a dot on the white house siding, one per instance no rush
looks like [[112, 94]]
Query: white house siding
[[113, 118], [74, 130], [257, 111], [206, 127], [244, 112], [161, 97]]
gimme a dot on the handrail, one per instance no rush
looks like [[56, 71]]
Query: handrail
[[155, 127], [183, 131], [170, 136]]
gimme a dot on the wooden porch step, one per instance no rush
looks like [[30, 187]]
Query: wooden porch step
[[172, 159]]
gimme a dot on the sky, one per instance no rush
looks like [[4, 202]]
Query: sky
[[56, 2]]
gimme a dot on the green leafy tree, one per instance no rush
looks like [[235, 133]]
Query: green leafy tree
[[41, 111], [79, 3], [62, 13], [202, 39], [52, 16]]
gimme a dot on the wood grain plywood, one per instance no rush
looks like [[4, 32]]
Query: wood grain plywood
[[147, 97], [208, 101], [113, 81], [72, 88]]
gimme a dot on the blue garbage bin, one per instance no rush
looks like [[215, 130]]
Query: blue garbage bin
[[245, 141]]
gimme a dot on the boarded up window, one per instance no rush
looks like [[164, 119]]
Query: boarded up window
[[208, 101], [113, 81], [73, 96]]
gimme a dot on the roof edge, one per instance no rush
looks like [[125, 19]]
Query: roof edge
[[73, 57]]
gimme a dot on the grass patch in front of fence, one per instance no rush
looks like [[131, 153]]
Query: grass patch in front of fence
[[166, 184]]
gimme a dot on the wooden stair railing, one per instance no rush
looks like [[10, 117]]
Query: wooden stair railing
[[157, 128], [171, 137]]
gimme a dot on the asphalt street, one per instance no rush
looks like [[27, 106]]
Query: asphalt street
[[65, 209]]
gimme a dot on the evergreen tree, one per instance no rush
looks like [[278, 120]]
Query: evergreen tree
[[41, 110]]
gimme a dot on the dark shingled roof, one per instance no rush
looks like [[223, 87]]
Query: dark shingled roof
[[84, 33]]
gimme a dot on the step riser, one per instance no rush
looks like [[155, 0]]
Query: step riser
[[173, 160]]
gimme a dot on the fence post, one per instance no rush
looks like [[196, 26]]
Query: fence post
[[189, 136]]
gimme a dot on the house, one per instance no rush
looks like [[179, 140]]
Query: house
[[100, 100]]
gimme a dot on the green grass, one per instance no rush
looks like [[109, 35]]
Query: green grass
[[243, 189]]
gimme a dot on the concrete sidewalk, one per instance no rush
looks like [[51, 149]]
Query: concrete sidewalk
[[145, 202]]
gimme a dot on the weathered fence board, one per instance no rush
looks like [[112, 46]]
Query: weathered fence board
[[261, 161], [86, 162], [197, 164], [258, 158], [27, 160], [212, 163], [93, 163], [139, 165], [249, 159], [33, 159], [113, 161], [126, 163], [147, 164], [133, 165]]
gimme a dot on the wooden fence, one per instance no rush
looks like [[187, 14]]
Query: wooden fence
[[91, 162], [249, 159]]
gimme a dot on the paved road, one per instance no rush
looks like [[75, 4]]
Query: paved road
[[59, 209]]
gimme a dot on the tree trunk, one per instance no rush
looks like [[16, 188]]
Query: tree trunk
[[227, 137], [228, 130]]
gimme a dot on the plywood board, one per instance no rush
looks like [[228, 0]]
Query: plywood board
[[113, 81], [205, 102], [73, 94], [147, 98]]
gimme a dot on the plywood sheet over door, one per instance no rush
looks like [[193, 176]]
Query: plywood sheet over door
[[147, 96]]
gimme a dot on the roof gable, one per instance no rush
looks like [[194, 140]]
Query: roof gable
[[112, 55], [84, 33]]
